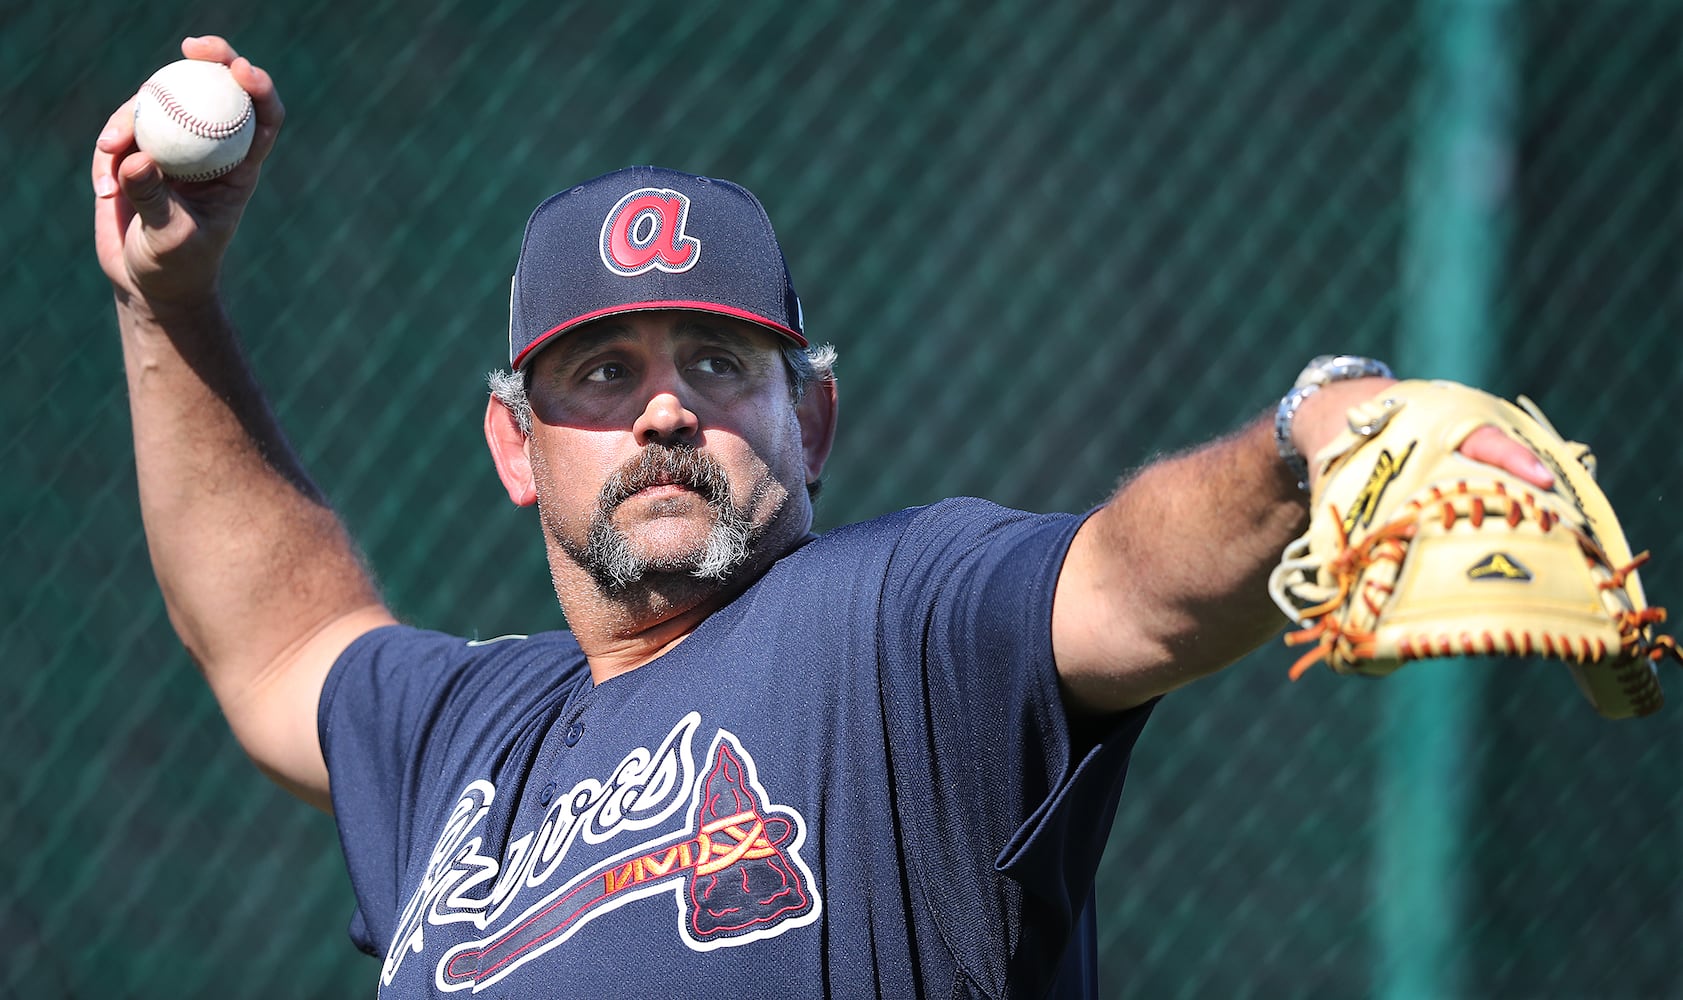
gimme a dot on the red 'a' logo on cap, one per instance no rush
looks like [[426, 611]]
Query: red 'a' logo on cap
[[646, 230]]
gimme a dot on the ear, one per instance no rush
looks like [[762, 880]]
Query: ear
[[508, 451], [817, 414]]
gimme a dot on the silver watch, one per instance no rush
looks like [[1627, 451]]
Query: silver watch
[[1322, 370]]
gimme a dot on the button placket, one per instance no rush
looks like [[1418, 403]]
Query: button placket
[[565, 733]]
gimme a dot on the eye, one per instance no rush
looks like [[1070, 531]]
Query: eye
[[716, 365], [609, 372]]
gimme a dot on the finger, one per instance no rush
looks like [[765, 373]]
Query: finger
[[266, 102], [115, 140], [144, 186], [211, 48], [1492, 447], [111, 212], [118, 133], [111, 223]]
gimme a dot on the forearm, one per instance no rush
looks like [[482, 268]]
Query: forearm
[[1205, 528], [249, 557], [1168, 581]]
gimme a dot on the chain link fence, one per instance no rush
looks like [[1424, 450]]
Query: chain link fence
[[1050, 241]]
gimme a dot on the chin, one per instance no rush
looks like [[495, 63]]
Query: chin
[[667, 538]]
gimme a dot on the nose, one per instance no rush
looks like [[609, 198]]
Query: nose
[[665, 420]]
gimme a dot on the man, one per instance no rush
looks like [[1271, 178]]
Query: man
[[878, 762]]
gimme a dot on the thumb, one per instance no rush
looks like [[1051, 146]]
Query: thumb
[[144, 186]]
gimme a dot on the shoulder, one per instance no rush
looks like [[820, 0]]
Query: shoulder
[[860, 547], [399, 664], [964, 527], [918, 550], [952, 517], [406, 645]]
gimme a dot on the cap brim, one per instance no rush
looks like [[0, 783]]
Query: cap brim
[[631, 307]]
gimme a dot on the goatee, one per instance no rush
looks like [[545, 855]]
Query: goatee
[[610, 556]]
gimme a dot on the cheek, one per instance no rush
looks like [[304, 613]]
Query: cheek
[[793, 469], [776, 455], [569, 472]]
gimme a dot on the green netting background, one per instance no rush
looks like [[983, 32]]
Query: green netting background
[[1050, 239]]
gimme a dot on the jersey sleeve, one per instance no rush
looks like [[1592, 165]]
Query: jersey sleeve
[[395, 712], [986, 750]]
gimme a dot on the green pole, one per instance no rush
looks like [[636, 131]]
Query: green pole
[[1458, 195]]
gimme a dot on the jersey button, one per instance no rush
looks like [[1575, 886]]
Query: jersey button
[[547, 793], [574, 731]]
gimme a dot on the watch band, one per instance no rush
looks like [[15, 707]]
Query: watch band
[[1320, 371]]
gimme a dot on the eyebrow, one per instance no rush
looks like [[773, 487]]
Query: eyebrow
[[582, 343], [700, 329]]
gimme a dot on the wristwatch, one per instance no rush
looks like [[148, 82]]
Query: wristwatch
[[1322, 370]]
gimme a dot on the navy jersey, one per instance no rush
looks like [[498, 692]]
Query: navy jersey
[[857, 779]]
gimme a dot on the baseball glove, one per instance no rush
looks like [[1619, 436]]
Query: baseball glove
[[1416, 551]]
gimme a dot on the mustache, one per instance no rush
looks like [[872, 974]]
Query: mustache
[[666, 465]]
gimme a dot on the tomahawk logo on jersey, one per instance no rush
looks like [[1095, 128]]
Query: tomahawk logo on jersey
[[732, 866]]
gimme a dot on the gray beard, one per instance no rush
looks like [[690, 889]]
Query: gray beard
[[613, 562]]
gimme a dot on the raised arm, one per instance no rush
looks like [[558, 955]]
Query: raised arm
[[1168, 582], [261, 582]]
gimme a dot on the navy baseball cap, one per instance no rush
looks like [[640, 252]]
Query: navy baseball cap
[[647, 238]]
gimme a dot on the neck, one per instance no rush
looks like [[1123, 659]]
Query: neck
[[622, 628], [621, 631]]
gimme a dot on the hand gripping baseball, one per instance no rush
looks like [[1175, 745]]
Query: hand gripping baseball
[[1416, 550], [159, 241]]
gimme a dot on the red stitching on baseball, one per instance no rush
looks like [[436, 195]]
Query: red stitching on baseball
[[197, 126]]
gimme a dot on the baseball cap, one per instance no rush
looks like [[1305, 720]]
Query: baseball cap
[[647, 238]]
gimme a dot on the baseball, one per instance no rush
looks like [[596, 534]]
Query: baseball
[[193, 120]]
